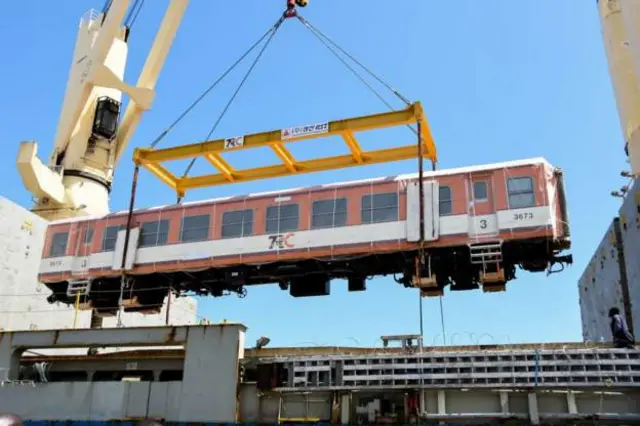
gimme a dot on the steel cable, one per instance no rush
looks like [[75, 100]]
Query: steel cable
[[375, 76], [209, 89], [319, 35], [273, 31], [133, 13]]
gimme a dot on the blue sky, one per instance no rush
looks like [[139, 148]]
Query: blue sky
[[500, 80]]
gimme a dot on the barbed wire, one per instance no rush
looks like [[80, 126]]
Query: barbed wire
[[477, 340], [438, 340]]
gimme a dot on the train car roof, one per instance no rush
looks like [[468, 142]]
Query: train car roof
[[401, 177]]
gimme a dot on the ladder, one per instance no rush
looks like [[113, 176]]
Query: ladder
[[489, 255], [78, 287]]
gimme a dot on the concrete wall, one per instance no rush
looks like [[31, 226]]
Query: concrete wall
[[208, 392], [463, 406], [23, 304]]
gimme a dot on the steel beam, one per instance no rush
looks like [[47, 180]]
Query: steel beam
[[211, 150]]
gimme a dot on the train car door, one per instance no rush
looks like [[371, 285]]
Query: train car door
[[82, 250], [483, 219], [431, 211], [134, 236]]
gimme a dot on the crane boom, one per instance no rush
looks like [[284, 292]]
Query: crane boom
[[151, 71], [90, 138], [621, 33]]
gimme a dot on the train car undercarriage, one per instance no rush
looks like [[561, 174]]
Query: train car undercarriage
[[461, 268]]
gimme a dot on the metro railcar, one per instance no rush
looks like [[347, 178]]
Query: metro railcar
[[480, 223]]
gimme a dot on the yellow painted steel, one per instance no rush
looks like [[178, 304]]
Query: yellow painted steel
[[77, 308], [212, 150]]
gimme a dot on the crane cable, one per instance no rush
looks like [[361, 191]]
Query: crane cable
[[317, 32], [136, 170], [323, 38], [131, 17], [106, 7], [273, 31], [328, 43], [134, 11], [166, 131]]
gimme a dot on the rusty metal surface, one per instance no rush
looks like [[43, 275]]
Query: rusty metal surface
[[312, 351]]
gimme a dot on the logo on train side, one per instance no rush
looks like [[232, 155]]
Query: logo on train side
[[281, 241]]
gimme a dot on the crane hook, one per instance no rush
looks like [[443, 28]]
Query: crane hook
[[291, 7]]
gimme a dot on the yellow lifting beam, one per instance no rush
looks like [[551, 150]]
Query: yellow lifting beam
[[151, 159]]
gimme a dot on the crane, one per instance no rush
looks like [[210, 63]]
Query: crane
[[90, 136], [620, 21]]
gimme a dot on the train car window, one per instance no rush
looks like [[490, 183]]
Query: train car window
[[59, 244], [480, 191], [237, 223], [329, 213], [195, 228], [110, 236], [521, 194], [282, 218], [154, 233], [88, 236], [446, 202], [379, 208]]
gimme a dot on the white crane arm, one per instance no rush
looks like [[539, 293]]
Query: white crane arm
[[150, 72], [89, 139], [93, 64]]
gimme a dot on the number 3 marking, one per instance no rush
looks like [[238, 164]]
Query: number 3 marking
[[483, 224]]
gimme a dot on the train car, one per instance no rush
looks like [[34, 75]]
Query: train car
[[479, 224]]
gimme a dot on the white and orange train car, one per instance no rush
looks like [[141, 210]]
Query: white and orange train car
[[480, 223]]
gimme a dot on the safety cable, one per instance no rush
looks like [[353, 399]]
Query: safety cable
[[379, 79], [209, 89], [273, 31]]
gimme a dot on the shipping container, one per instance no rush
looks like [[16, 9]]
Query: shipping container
[[630, 229], [603, 285]]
